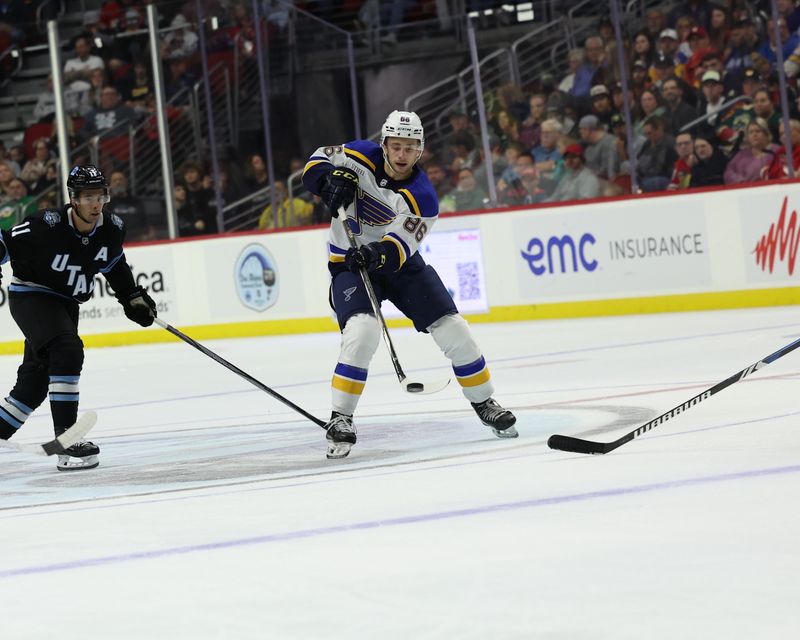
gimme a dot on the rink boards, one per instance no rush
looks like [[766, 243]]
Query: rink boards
[[710, 249]]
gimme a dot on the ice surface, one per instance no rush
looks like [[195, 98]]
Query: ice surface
[[214, 513]]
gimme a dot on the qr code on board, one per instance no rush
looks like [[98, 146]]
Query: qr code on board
[[469, 286]]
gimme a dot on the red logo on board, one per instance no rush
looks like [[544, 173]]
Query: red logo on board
[[781, 240]]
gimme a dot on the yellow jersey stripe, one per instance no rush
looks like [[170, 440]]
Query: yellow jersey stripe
[[474, 381], [361, 157], [412, 200], [311, 164], [335, 257], [399, 248], [353, 387]]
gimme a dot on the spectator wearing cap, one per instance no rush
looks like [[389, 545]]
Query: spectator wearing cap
[[640, 79], [547, 154], [656, 160], [698, 41], [752, 162], [600, 152], [668, 44], [710, 166], [595, 61], [711, 102], [789, 42], [742, 43], [680, 113], [698, 10], [750, 82], [682, 170], [574, 60], [763, 107], [577, 181], [602, 106], [778, 167]]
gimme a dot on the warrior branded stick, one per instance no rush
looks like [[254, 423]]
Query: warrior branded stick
[[410, 386], [179, 334], [576, 445], [59, 444]]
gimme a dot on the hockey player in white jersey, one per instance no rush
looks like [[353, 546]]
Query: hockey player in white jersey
[[391, 207]]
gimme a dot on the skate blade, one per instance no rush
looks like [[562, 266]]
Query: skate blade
[[511, 432], [70, 463], [338, 450]]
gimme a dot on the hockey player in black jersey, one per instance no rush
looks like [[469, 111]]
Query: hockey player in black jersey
[[55, 255]]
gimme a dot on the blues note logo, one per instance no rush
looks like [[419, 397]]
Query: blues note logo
[[372, 211]]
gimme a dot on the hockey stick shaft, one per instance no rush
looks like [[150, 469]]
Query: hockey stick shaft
[[373, 299], [243, 374], [577, 445]]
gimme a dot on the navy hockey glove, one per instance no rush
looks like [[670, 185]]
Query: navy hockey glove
[[140, 307], [371, 256], [339, 189]]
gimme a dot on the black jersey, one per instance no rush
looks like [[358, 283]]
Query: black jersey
[[49, 255]]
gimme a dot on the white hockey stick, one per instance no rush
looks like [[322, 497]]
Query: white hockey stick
[[59, 444], [410, 386]]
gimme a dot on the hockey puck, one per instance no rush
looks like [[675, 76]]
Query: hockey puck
[[415, 387]]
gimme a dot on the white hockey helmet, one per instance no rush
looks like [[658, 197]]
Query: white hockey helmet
[[403, 124]]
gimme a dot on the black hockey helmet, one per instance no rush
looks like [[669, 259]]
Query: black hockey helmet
[[85, 178]]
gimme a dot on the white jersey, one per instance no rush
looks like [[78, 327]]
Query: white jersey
[[398, 211]]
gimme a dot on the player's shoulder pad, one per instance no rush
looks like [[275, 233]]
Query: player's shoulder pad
[[420, 196], [365, 152]]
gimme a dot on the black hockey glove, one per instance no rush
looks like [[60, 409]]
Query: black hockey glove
[[339, 189], [371, 256], [140, 307]]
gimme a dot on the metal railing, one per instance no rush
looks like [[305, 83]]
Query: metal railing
[[243, 214]]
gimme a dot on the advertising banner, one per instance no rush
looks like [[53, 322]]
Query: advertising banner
[[770, 237], [457, 257], [654, 248]]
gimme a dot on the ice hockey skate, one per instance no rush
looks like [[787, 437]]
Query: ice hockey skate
[[81, 455], [499, 419], [341, 435]]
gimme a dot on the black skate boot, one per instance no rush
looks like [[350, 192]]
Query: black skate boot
[[341, 435], [81, 455], [493, 415]]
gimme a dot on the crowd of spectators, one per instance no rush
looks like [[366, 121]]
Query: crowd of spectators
[[560, 138], [705, 110]]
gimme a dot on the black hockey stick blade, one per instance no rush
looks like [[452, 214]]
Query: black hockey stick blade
[[577, 445], [77, 431]]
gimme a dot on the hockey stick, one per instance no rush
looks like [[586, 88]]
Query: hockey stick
[[410, 386], [83, 425], [576, 445], [179, 334]]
